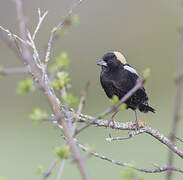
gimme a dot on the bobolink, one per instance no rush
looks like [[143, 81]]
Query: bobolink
[[117, 78]]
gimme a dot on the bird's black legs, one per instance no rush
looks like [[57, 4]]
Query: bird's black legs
[[136, 120], [137, 123], [109, 122]]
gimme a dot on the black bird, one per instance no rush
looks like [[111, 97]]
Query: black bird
[[117, 78]]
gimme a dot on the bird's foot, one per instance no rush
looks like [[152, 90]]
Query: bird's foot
[[109, 126], [139, 124]]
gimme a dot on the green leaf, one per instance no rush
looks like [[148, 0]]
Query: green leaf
[[61, 80], [2, 178], [62, 152], [114, 99], [38, 116], [72, 100], [123, 106], [1, 68], [75, 19], [90, 148], [128, 173], [147, 73], [40, 170], [25, 86], [61, 31], [62, 61]]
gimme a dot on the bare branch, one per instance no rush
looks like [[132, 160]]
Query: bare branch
[[130, 135], [48, 90], [83, 98], [10, 44], [14, 70], [50, 168], [60, 172], [36, 54], [130, 126], [10, 34], [80, 107], [59, 26], [41, 18], [178, 138], [158, 169], [114, 107], [177, 102]]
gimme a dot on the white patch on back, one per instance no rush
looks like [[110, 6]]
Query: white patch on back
[[130, 69]]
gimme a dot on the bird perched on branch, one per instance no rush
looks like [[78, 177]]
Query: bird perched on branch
[[117, 78]]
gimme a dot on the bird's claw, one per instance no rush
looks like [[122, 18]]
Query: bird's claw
[[139, 124]]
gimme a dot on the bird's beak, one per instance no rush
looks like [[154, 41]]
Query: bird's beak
[[101, 62]]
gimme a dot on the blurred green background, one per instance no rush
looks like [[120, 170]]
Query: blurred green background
[[145, 31]]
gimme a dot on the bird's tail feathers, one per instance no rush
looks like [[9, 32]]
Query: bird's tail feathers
[[146, 108]]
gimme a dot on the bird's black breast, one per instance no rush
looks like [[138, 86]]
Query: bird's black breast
[[119, 82]]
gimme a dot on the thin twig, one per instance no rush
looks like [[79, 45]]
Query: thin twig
[[58, 27], [10, 34], [41, 18], [177, 102], [36, 54], [83, 98], [48, 90], [13, 45], [130, 135], [80, 107], [158, 169], [54, 73], [114, 107], [130, 126], [60, 172], [178, 138], [14, 70], [50, 168]]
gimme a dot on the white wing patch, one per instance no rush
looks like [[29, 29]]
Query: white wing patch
[[130, 69]]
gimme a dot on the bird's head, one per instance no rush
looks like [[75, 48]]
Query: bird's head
[[112, 60]]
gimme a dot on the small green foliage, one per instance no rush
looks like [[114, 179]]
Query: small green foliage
[[63, 77], [38, 116], [128, 173], [2, 178], [75, 19], [62, 152], [87, 119], [61, 80], [60, 32], [123, 106], [71, 100], [63, 60], [60, 61], [90, 148], [25, 86], [179, 115], [40, 170], [101, 116], [1, 68], [11, 36], [114, 99], [147, 73]]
